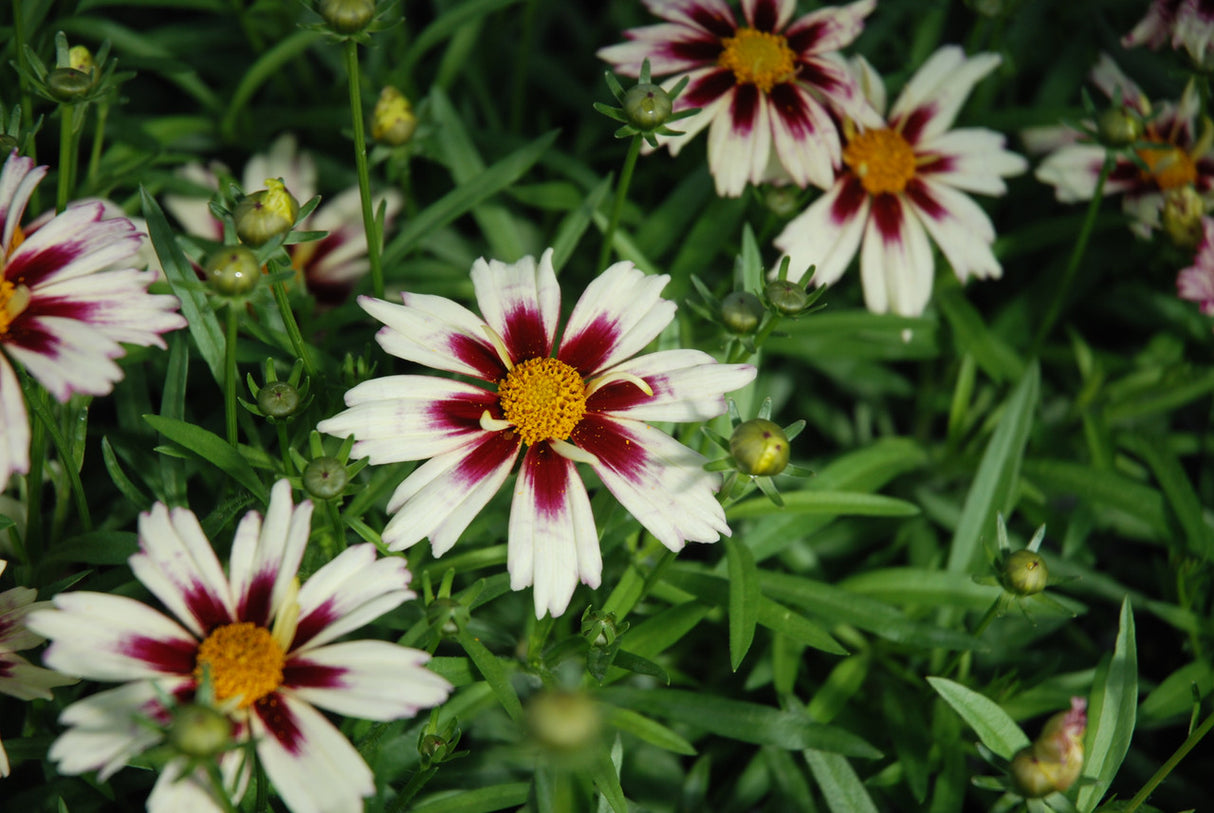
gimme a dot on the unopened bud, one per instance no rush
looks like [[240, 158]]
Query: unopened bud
[[788, 298], [647, 106], [81, 59], [325, 478], [1119, 126], [278, 399], [347, 16], [741, 312], [760, 448], [1053, 762], [1025, 573], [393, 121], [199, 731], [265, 214], [563, 720], [1183, 209], [68, 84], [233, 271]]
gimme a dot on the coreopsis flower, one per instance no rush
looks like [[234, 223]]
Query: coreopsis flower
[[67, 301], [267, 647], [1196, 283], [1187, 24], [1171, 154], [903, 181], [768, 84], [18, 677], [590, 403], [330, 266]]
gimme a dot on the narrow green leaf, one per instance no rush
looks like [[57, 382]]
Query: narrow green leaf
[[914, 585], [744, 599], [95, 548], [641, 666], [447, 24], [839, 783], [478, 800], [1112, 492], [971, 336], [212, 449], [575, 224], [494, 673], [267, 65], [830, 503], [648, 730], [1174, 695], [129, 490], [1112, 712], [1178, 490], [606, 779], [997, 730], [840, 686]]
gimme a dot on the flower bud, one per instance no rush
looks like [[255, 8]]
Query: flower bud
[[647, 106], [69, 85], [1119, 126], [278, 399], [81, 59], [393, 121], [233, 271], [347, 16], [199, 731], [1181, 217], [741, 312], [564, 721], [759, 447], [325, 477], [1053, 762], [432, 747], [446, 614], [599, 629], [1025, 573], [266, 214], [781, 201], [788, 298]]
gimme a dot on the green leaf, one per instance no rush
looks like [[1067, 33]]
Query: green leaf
[[203, 325], [606, 777], [479, 800], [1174, 695], [970, 335], [447, 24], [269, 64], [913, 585], [212, 449], [997, 730], [95, 548], [641, 666], [1113, 493], [1112, 710], [494, 673], [839, 783], [830, 503], [571, 229], [744, 597], [739, 720], [648, 730], [1178, 490], [129, 490]]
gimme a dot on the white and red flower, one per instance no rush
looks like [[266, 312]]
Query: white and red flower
[[906, 180], [1196, 283], [767, 85], [1178, 156], [1187, 24], [66, 303], [18, 677], [589, 403], [331, 266], [268, 645]]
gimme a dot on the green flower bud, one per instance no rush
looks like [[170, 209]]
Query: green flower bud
[[199, 731], [760, 448], [1119, 126], [68, 84], [564, 721], [81, 59], [741, 312], [788, 298], [599, 629], [347, 16], [1025, 573], [392, 122], [1183, 210], [278, 399], [647, 106], [432, 747], [325, 478], [233, 271], [264, 215], [446, 613]]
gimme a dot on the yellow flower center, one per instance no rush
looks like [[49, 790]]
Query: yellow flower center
[[758, 58], [882, 160], [244, 661], [543, 398], [1170, 167], [13, 300]]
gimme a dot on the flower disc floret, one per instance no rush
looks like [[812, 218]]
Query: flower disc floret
[[544, 398], [758, 58], [13, 300], [882, 160], [1168, 166], [244, 660]]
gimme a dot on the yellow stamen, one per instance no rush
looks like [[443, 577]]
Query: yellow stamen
[[758, 58], [245, 661], [882, 160], [610, 378], [1168, 166], [543, 398], [13, 300]]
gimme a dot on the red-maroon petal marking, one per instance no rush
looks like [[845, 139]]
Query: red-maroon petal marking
[[887, 214], [609, 441], [802, 39], [810, 72], [706, 89], [255, 603], [206, 607], [744, 109], [524, 333], [765, 15], [478, 355], [705, 51], [463, 412], [299, 673], [850, 199], [549, 474], [312, 624], [493, 450], [918, 192], [935, 163], [722, 25], [173, 657], [586, 351], [791, 108], [911, 125], [280, 722], [29, 269], [620, 395]]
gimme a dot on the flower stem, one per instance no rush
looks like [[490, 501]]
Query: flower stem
[[229, 375], [621, 195], [288, 319], [419, 779], [1072, 266], [1166, 768], [284, 447], [33, 488], [364, 179], [103, 110], [67, 122], [27, 102]]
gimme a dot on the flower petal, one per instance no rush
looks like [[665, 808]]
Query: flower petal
[[932, 98], [688, 385], [739, 141], [265, 555], [830, 28], [895, 260], [371, 680], [21, 679], [174, 792], [353, 589], [14, 426], [1074, 170], [115, 303], [620, 312], [436, 332], [520, 301], [669, 47], [77, 241], [805, 138], [17, 182], [827, 234], [972, 159], [959, 226], [66, 355], [283, 160]]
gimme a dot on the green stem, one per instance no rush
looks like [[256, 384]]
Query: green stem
[[1166, 768], [284, 446], [338, 528], [103, 110], [1072, 266], [288, 319], [27, 101], [419, 779], [364, 178], [229, 375], [621, 195], [522, 56], [67, 123], [33, 489]]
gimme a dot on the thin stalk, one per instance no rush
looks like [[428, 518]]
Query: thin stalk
[[67, 123], [991, 613], [33, 489], [284, 447], [522, 57], [364, 178], [416, 782], [103, 111], [27, 101], [229, 375], [1072, 266], [621, 195], [288, 319], [338, 528], [1166, 768]]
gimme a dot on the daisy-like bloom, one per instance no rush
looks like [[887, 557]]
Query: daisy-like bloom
[[330, 266], [1187, 24], [903, 181], [269, 646], [589, 403], [1178, 157], [766, 84], [18, 677], [66, 303], [1196, 283]]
